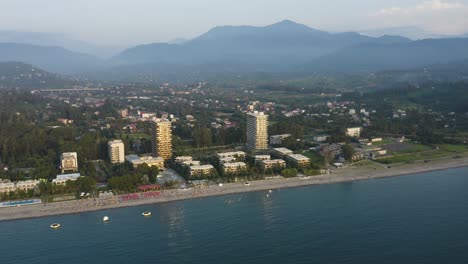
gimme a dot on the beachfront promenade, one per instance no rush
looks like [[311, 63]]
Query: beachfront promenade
[[337, 175]]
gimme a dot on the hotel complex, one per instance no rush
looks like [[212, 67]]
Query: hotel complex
[[161, 138], [116, 151], [257, 131]]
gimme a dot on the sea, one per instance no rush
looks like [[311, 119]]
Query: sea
[[419, 218]]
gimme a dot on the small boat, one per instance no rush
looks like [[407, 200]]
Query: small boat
[[146, 213], [220, 184], [270, 191], [105, 219], [55, 226], [267, 195], [246, 183]]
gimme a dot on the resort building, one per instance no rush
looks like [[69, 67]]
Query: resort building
[[201, 170], [281, 152], [261, 157], [257, 131], [278, 139], [7, 186], [63, 178], [161, 138], [270, 164], [354, 132], [182, 159], [27, 185], [235, 167], [298, 160], [190, 163], [148, 160], [239, 155], [227, 160], [69, 162], [116, 151]]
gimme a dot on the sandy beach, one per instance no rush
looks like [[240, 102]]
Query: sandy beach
[[353, 173]]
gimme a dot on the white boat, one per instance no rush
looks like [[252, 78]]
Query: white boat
[[105, 219], [270, 191], [246, 183], [146, 213], [55, 226]]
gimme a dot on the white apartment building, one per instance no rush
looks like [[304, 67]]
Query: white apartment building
[[116, 151], [69, 162], [201, 170]]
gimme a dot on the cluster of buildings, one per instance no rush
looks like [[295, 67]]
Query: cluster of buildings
[[8, 186]]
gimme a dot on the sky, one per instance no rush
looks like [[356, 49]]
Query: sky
[[131, 22]]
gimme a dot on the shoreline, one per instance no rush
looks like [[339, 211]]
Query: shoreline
[[349, 174]]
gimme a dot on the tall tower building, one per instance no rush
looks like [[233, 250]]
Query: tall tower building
[[161, 138], [257, 131], [116, 151]]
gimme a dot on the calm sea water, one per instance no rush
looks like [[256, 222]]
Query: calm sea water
[[411, 219]]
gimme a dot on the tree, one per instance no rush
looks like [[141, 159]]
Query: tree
[[288, 173], [85, 184], [348, 152]]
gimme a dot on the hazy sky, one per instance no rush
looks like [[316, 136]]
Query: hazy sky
[[129, 22]]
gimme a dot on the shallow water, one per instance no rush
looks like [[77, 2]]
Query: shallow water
[[411, 219]]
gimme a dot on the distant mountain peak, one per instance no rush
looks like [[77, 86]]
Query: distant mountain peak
[[289, 25]]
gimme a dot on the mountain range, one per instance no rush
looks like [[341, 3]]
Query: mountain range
[[283, 47]]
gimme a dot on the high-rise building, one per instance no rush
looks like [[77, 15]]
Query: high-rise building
[[69, 162], [116, 150], [161, 138], [257, 131]]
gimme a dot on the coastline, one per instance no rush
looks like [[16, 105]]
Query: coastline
[[349, 174]]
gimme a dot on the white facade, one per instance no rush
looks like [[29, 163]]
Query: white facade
[[149, 160], [116, 150], [354, 132], [69, 161]]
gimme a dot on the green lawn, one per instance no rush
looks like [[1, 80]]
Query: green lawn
[[443, 151], [315, 158]]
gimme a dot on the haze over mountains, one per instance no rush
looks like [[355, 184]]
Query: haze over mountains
[[282, 47]]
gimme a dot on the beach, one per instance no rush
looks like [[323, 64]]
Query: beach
[[348, 174]]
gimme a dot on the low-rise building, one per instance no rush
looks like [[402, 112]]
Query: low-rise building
[[149, 160], [227, 160], [7, 186], [354, 132], [27, 185], [271, 164], [240, 155], [298, 160], [182, 159], [190, 163], [281, 152], [278, 139], [63, 178], [201, 170], [235, 167], [261, 157]]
